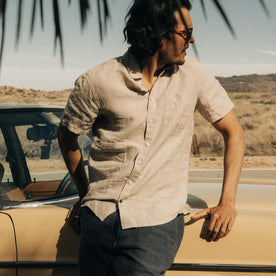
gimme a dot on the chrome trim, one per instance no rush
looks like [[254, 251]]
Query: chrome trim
[[42, 202], [18, 106], [19, 264], [222, 267], [174, 267]]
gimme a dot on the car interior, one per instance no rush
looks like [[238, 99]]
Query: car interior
[[32, 167]]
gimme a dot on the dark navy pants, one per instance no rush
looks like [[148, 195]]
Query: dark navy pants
[[107, 250]]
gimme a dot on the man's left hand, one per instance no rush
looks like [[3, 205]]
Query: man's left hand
[[221, 220]]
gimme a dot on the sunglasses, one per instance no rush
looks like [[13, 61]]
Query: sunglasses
[[186, 34]]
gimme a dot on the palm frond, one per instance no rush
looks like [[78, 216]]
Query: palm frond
[[100, 19], [3, 14], [106, 14], [18, 27], [84, 7], [264, 7], [203, 9], [41, 13], [58, 35], [33, 18], [225, 18], [103, 17]]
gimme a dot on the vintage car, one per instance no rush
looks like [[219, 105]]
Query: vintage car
[[36, 193]]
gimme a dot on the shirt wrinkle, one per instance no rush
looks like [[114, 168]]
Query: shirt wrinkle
[[138, 162]]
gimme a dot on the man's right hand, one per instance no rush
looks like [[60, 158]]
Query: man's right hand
[[73, 217]]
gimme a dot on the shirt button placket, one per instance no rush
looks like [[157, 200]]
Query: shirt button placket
[[150, 121]]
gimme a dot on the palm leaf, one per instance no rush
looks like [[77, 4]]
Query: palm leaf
[[58, 35], [33, 18], [84, 7], [18, 28], [203, 9], [264, 7], [3, 14], [103, 16], [106, 14], [41, 13], [223, 14], [100, 19]]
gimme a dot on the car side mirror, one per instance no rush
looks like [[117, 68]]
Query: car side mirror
[[46, 133], [37, 133]]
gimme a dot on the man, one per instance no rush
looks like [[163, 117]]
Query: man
[[140, 108]]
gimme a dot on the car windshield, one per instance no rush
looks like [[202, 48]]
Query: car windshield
[[31, 164]]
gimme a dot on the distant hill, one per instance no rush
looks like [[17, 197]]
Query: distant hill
[[10, 94], [254, 105], [246, 83], [249, 83]]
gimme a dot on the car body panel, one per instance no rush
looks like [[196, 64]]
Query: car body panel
[[239, 247], [56, 271], [42, 234], [251, 245], [7, 245], [46, 243], [8, 272]]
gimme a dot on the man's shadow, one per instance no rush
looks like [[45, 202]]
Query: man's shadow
[[68, 242], [67, 252], [198, 203]]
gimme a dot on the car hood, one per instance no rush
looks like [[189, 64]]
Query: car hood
[[256, 196]]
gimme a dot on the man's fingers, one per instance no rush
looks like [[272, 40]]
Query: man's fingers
[[221, 221], [220, 229], [73, 213], [202, 214]]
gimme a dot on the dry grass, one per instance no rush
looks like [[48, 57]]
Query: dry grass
[[256, 112], [257, 115]]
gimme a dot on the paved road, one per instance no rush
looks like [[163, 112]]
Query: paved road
[[267, 175], [253, 175]]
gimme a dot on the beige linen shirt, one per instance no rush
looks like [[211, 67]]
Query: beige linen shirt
[[138, 161]]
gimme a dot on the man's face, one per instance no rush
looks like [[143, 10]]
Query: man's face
[[173, 49]]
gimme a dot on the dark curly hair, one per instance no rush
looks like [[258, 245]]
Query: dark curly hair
[[148, 21]]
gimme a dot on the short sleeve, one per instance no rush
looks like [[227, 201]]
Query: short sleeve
[[81, 109], [213, 102]]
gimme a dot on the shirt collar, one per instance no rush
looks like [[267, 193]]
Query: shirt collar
[[132, 66], [135, 71]]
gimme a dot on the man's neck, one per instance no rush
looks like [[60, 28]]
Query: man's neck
[[151, 69]]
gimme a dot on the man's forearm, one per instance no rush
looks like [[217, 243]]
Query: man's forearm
[[233, 159], [223, 215], [73, 159]]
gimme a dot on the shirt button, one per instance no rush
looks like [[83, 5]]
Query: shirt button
[[147, 144], [120, 201]]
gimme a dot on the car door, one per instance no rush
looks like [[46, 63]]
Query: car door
[[7, 246], [46, 245], [32, 171]]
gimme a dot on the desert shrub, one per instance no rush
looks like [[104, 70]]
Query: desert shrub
[[256, 113]]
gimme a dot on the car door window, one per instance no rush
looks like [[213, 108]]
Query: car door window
[[31, 163], [7, 187], [44, 160]]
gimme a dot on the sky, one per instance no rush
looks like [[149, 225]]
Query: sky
[[33, 63]]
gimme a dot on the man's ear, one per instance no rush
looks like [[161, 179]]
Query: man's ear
[[163, 42]]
